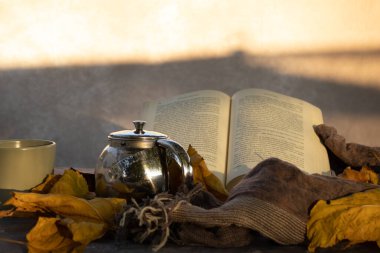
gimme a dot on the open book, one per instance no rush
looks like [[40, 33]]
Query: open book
[[235, 133]]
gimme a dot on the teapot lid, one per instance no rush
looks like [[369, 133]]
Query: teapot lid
[[139, 134]]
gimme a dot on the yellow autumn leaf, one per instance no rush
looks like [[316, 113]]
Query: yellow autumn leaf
[[79, 221], [84, 231], [63, 235], [99, 209], [365, 175], [355, 218], [201, 174], [47, 184], [72, 183], [45, 237]]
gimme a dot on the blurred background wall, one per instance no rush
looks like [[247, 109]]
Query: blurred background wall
[[74, 71]]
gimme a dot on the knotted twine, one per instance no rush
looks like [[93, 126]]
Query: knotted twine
[[153, 216]]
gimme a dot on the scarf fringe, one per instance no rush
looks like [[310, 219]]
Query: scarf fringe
[[154, 216]]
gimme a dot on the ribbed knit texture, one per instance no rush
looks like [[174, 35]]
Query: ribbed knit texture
[[273, 199]]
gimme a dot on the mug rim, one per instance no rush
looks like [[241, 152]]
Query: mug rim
[[17, 144]]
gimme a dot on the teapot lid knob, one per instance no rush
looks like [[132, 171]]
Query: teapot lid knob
[[139, 125], [138, 135]]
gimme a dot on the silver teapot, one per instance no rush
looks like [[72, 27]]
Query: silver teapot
[[138, 164]]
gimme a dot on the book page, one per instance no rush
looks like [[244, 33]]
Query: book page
[[199, 118], [267, 124]]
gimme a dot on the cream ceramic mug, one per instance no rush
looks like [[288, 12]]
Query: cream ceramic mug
[[24, 163]]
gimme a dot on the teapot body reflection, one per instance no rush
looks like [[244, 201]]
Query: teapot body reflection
[[138, 164]]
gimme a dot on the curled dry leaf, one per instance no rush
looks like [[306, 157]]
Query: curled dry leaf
[[77, 221], [98, 209], [71, 183], [365, 175], [204, 176], [47, 184], [63, 235], [355, 218]]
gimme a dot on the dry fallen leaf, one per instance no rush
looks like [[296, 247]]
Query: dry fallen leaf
[[355, 218], [63, 235], [47, 184], [78, 221], [98, 209], [84, 220], [203, 175], [365, 175], [72, 183], [45, 236]]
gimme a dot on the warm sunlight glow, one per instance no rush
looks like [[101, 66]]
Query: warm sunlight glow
[[359, 67], [39, 33]]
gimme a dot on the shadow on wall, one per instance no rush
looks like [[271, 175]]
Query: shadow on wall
[[78, 106]]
